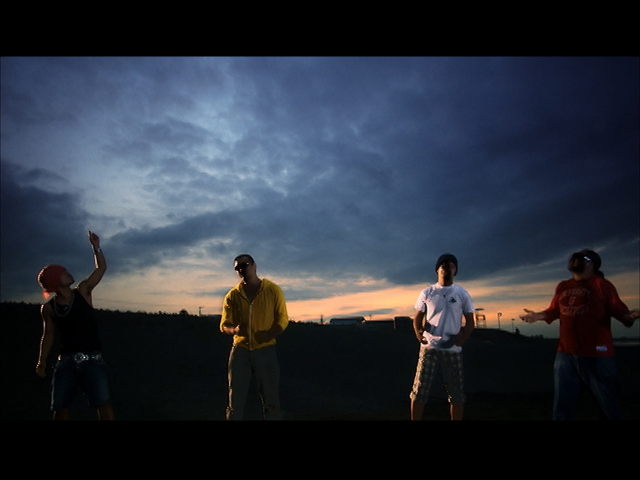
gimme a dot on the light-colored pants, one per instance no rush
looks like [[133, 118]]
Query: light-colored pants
[[263, 366]]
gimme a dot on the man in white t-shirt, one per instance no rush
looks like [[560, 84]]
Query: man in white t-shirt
[[438, 325]]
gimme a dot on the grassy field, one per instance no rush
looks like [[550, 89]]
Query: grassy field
[[173, 367]]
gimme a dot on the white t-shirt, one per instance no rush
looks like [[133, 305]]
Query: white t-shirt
[[444, 308]]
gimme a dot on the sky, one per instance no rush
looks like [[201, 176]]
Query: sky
[[344, 177]]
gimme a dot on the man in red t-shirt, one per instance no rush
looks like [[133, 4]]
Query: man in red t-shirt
[[585, 357]]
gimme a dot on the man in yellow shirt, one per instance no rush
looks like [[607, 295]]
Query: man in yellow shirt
[[255, 313]]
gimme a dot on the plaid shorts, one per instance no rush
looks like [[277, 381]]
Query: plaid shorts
[[452, 372]]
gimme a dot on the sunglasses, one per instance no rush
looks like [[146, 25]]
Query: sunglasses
[[578, 256], [241, 266]]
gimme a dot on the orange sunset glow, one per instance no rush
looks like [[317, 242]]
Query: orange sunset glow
[[345, 178], [379, 301]]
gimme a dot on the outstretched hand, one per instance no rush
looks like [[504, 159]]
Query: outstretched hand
[[531, 316], [631, 317], [94, 240]]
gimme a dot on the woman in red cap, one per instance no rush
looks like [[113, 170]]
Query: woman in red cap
[[70, 313]]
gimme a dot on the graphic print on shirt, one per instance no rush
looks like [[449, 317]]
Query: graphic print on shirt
[[573, 301], [437, 306]]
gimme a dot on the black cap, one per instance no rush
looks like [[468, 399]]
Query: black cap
[[592, 257], [447, 257]]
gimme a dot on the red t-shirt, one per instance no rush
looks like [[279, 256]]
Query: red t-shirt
[[585, 308]]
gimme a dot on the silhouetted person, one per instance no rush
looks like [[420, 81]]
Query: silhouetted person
[[255, 313], [440, 309], [585, 357], [69, 312]]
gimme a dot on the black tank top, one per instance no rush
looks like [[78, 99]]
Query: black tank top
[[77, 326]]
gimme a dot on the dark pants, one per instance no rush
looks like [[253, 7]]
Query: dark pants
[[573, 374]]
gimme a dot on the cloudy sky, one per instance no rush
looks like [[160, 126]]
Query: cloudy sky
[[344, 177]]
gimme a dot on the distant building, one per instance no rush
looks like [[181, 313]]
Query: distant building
[[346, 321], [380, 323], [402, 323], [395, 323]]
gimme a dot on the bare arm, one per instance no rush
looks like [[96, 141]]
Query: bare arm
[[469, 326], [418, 325], [48, 332], [87, 285]]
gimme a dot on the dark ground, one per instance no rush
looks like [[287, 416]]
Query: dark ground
[[170, 367]]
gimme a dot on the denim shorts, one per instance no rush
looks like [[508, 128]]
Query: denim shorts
[[71, 375], [451, 366]]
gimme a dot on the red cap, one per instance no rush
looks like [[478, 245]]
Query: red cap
[[49, 279]]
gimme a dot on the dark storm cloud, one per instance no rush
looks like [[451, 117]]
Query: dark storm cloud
[[38, 228], [349, 167]]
